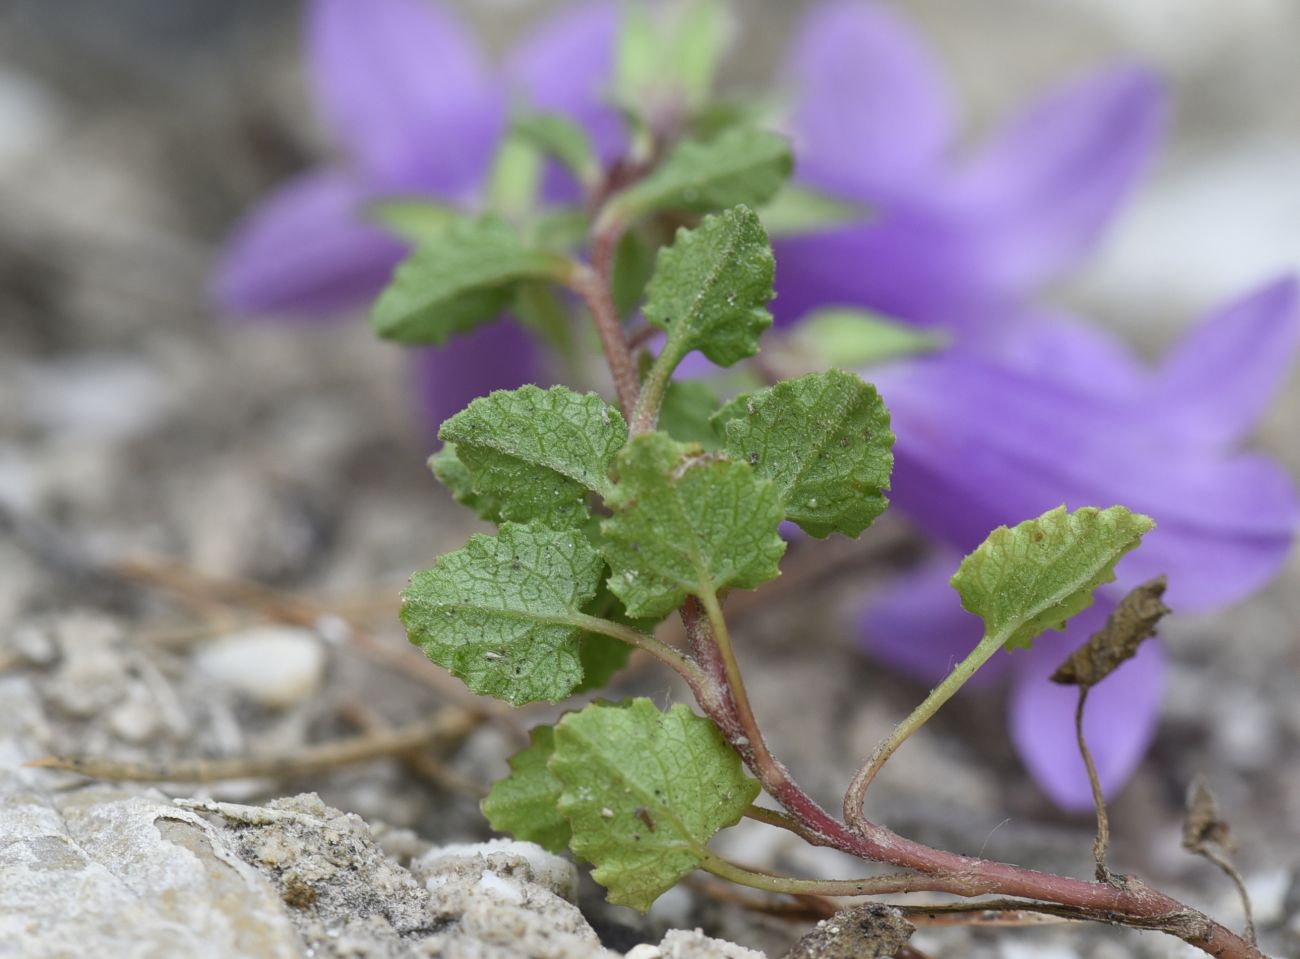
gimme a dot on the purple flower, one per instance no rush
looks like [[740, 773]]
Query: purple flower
[[416, 112], [951, 238], [1025, 413], [1068, 416]]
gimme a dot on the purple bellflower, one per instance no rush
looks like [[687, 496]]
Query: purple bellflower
[[1023, 412], [1026, 412], [416, 112]]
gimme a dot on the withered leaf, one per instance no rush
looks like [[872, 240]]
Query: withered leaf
[[1133, 621]]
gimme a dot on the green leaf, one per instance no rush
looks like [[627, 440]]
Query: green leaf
[[1036, 575], [685, 413], [504, 612], [446, 465], [563, 139], [526, 803], [415, 220], [824, 441], [686, 522], [847, 337], [561, 229], [710, 289], [798, 210], [670, 58], [515, 177], [634, 264], [644, 791], [739, 166], [459, 279], [603, 656], [536, 453]]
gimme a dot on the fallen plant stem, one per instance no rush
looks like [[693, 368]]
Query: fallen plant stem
[[419, 761], [447, 725]]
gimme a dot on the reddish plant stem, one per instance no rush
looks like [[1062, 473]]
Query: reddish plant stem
[[1128, 901], [593, 286]]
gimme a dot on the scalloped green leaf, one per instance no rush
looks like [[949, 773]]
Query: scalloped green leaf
[[504, 613], [1034, 576], [825, 443], [686, 522], [710, 289], [526, 803], [458, 279], [742, 165], [451, 472], [643, 792], [535, 454]]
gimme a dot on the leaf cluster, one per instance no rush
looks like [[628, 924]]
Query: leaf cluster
[[607, 523]]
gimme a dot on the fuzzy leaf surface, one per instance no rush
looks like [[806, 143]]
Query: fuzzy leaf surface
[[453, 474], [534, 453], [1034, 576], [740, 165], [503, 613], [710, 289], [687, 522], [824, 441], [644, 791], [526, 803], [457, 279]]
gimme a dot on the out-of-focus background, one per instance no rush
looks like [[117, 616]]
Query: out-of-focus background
[[157, 460]]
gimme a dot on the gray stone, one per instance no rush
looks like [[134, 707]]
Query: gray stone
[[128, 876]]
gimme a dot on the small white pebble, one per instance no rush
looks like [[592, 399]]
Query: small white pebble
[[275, 666], [606, 812]]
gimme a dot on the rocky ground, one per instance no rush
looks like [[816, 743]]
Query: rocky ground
[[176, 491]]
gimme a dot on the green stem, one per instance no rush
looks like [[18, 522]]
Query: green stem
[[645, 415], [857, 791], [670, 657], [875, 885]]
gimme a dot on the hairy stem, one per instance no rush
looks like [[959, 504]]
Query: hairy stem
[[674, 660], [768, 882], [645, 415], [593, 287], [857, 791]]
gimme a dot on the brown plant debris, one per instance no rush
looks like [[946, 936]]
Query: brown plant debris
[[866, 931], [1133, 621]]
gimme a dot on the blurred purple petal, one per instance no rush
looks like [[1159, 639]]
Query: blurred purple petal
[[1221, 378], [962, 249], [566, 66], [305, 251], [1119, 722], [917, 625], [914, 262], [402, 85], [1086, 358], [499, 356], [1053, 179], [873, 113], [980, 444]]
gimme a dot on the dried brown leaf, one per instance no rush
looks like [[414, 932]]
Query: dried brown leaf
[[1133, 621]]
